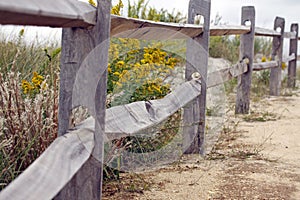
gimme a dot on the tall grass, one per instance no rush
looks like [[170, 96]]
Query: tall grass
[[28, 123]]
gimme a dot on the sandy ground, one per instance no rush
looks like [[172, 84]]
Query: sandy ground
[[256, 157]]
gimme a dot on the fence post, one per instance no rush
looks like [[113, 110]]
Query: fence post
[[77, 43], [292, 70], [277, 50], [246, 51], [197, 52]]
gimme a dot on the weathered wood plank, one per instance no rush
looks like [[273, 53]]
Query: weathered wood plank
[[197, 61], [289, 58], [292, 69], [290, 35], [277, 50], [69, 13], [264, 65], [127, 120], [84, 62], [54, 13], [222, 30], [266, 32], [242, 105], [53, 169], [145, 29], [224, 75]]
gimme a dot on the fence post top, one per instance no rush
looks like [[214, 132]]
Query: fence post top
[[279, 19], [248, 14], [295, 26], [250, 10], [248, 7]]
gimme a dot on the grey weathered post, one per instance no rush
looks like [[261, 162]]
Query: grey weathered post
[[293, 50], [197, 52], [246, 51], [77, 43], [277, 49]]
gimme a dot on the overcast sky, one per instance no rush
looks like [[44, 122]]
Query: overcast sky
[[230, 10]]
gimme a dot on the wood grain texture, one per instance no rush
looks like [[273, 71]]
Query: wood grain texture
[[266, 32], [222, 30], [246, 51], [292, 67], [77, 45], [290, 58], [264, 65], [277, 50], [291, 35], [54, 13], [197, 61], [145, 29], [130, 119], [224, 75], [53, 169]]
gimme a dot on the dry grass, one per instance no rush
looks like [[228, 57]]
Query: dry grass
[[28, 124]]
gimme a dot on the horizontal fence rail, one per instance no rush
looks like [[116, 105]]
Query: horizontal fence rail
[[264, 65], [224, 75], [68, 13], [127, 120], [290, 58], [54, 13], [44, 178]]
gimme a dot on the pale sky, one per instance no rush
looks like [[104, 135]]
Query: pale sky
[[230, 10]]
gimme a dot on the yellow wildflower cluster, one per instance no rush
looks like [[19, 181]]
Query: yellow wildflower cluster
[[138, 72], [283, 65], [92, 2], [264, 59], [116, 10], [34, 86]]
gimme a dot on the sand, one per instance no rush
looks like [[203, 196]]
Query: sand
[[256, 157]]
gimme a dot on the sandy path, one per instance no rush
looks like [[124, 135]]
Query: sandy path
[[258, 157]]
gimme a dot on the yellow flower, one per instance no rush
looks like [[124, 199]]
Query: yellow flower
[[120, 63], [116, 10], [26, 86], [264, 59], [283, 65], [37, 79], [116, 73], [156, 88], [92, 2]]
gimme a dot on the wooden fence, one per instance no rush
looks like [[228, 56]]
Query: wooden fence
[[71, 168]]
